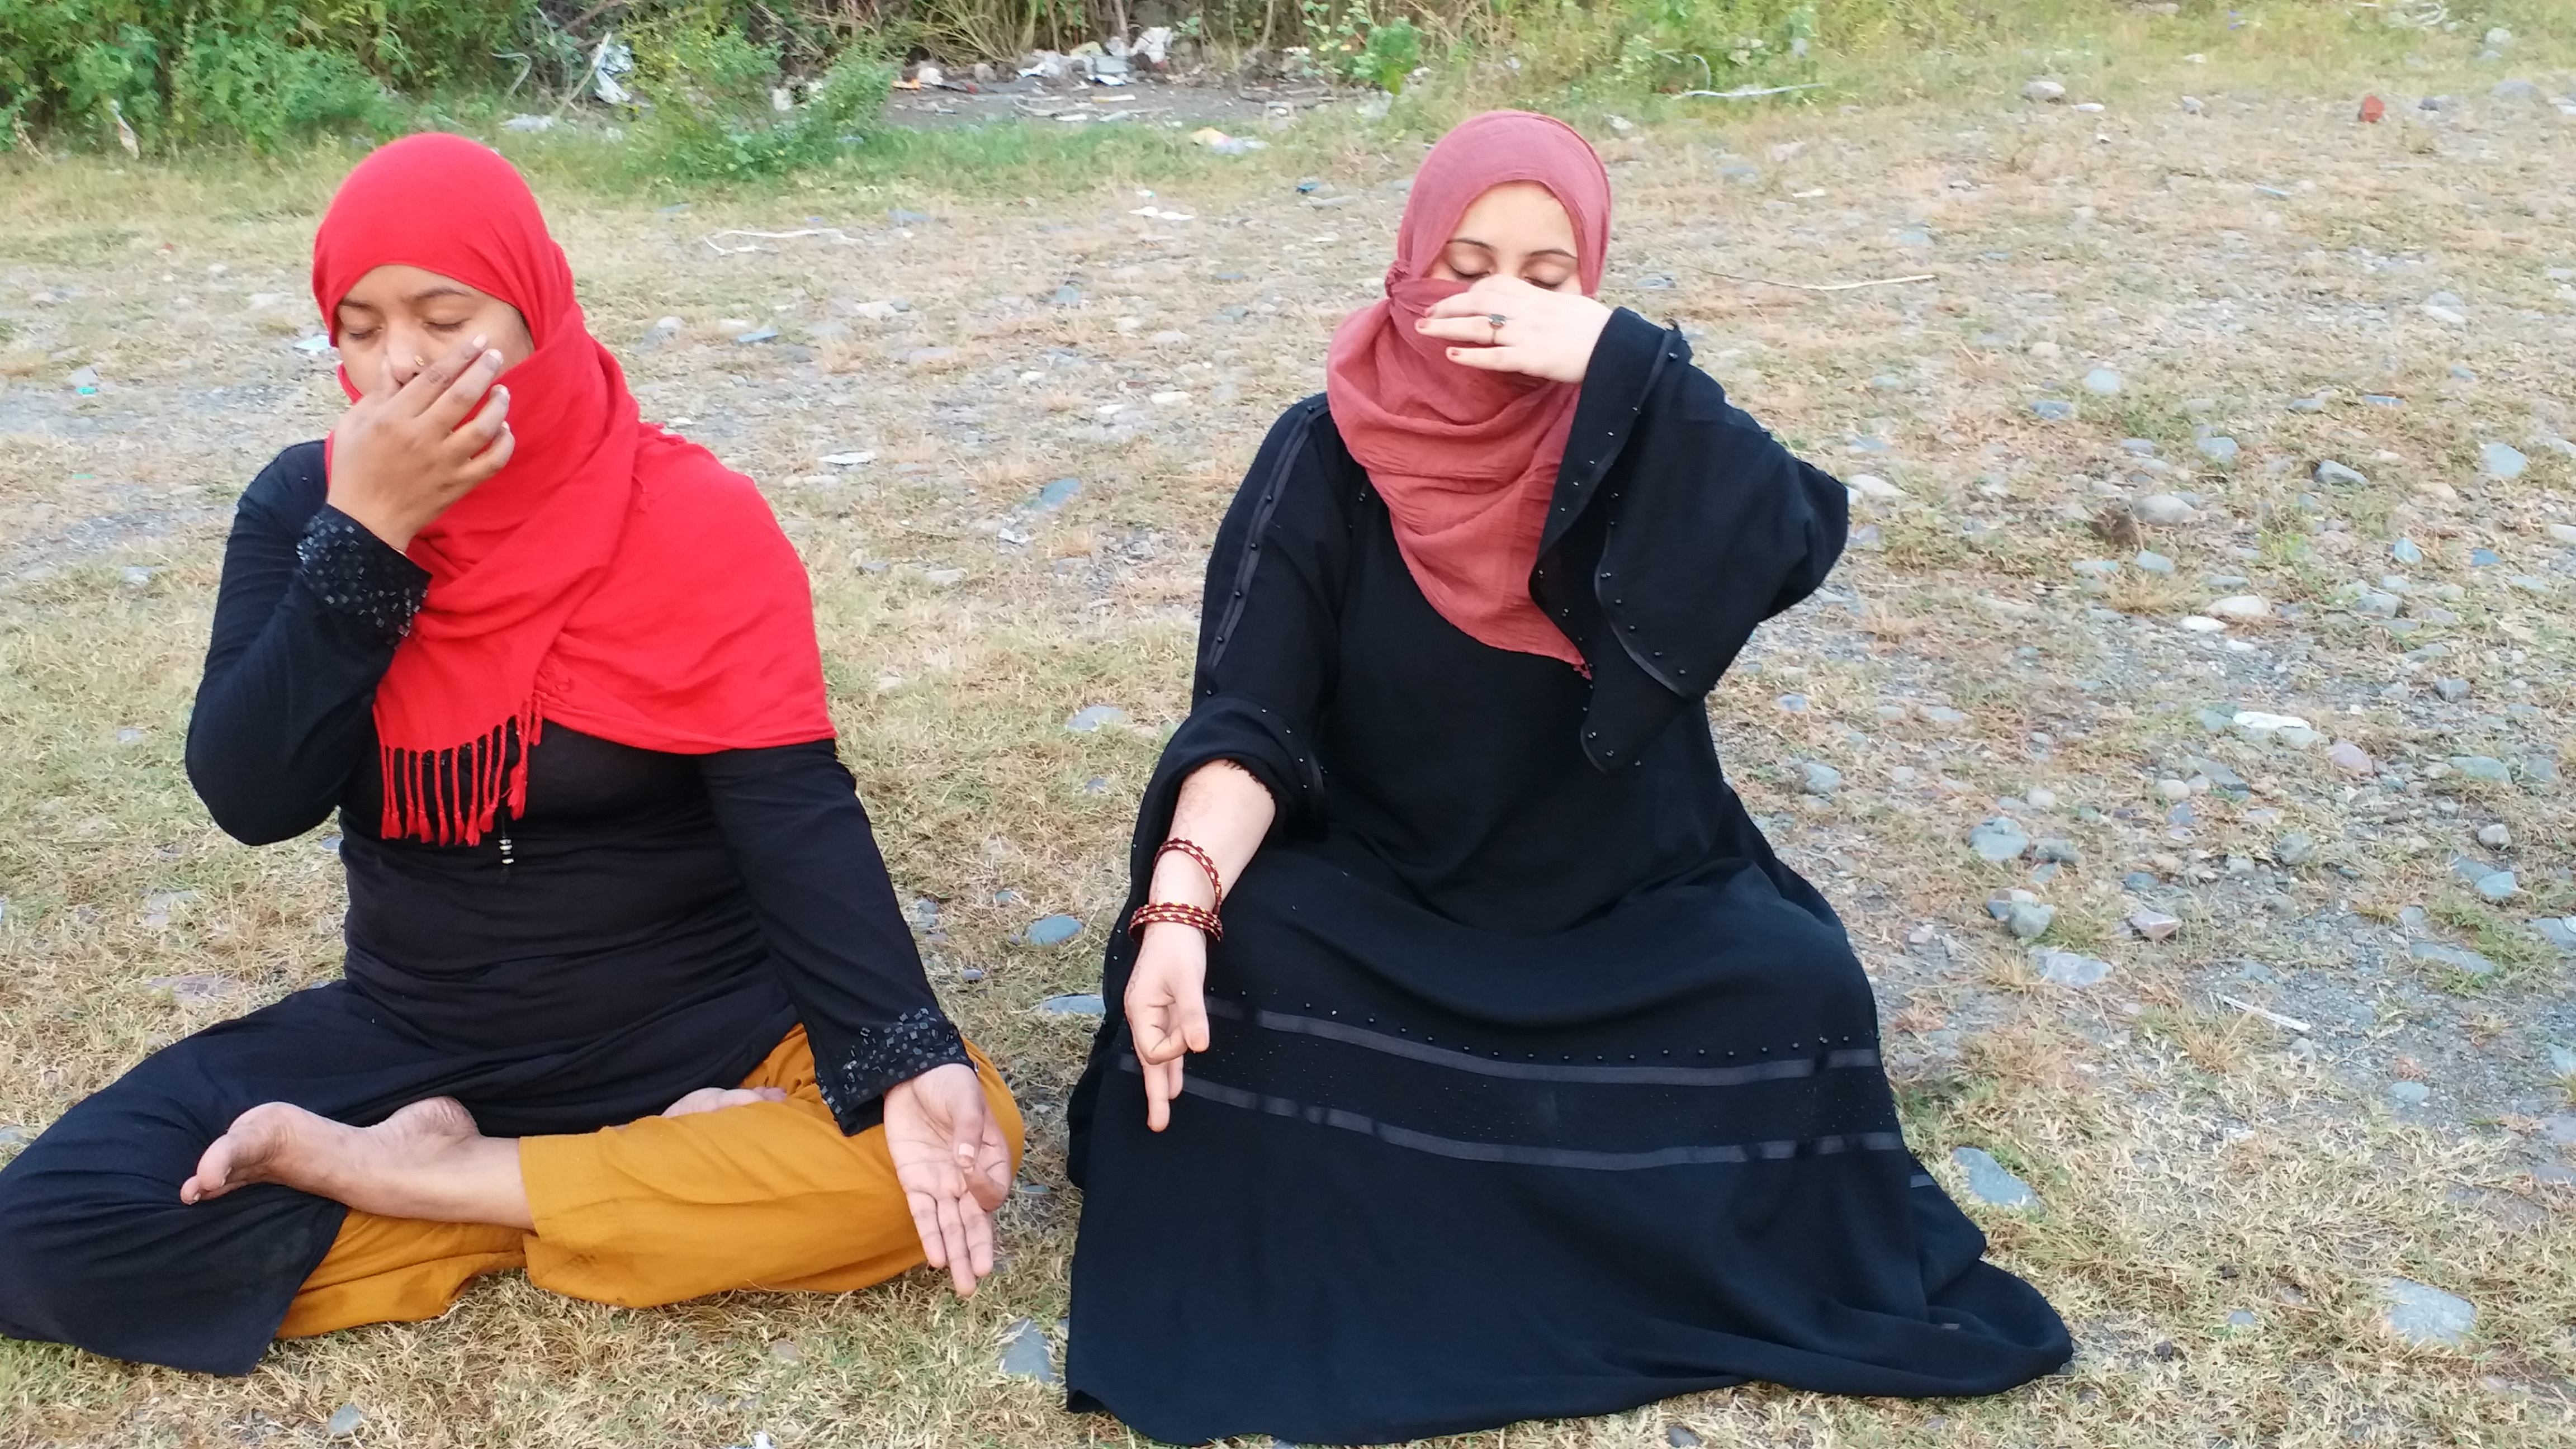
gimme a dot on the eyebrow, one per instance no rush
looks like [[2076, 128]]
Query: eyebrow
[[1489, 246], [425, 294]]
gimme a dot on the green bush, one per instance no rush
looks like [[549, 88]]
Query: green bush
[[262, 92], [711, 107]]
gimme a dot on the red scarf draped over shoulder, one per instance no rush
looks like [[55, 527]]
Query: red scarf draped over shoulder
[[1466, 459], [612, 578]]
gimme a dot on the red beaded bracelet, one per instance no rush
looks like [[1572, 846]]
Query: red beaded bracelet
[[1205, 861], [1179, 913]]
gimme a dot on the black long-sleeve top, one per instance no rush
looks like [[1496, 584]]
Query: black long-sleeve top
[[730, 891]]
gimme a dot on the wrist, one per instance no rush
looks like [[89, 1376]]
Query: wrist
[[394, 531]]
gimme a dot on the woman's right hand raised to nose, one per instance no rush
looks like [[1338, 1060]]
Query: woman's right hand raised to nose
[[406, 450]]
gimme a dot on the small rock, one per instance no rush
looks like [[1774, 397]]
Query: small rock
[[2243, 1319], [2560, 1127], [1681, 1438], [2218, 448], [2426, 1315], [2296, 847], [1086, 1003], [2240, 607], [2028, 920], [2102, 382], [1025, 1353], [2484, 558], [1998, 840], [2336, 475], [2452, 691], [2409, 1094], [900, 217], [1055, 495], [1067, 295], [2162, 509], [944, 577], [194, 989], [2058, 850], [758, 334], [1820, 779], [787, 1351], [2466, 962], [1873, 487], [2172, 789], [1092, 718], [1988, 1180], [2154, 925], [13, 1137], [2502, 461], [2043, 91], [2496, 836], [2052, 410], [2539, 770], [2485, 769], [2498, 886], [344, 1421], [2406, 551], [2374, 604], [1054, 930], [2154, 563], [2193, 106], [659, 333], [1793, 703], [2069, 968]]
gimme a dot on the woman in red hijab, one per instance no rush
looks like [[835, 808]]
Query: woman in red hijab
[[1479, 1061], [627, 1001]]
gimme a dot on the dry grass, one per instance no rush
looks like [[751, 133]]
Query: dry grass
[[2190, 1166]]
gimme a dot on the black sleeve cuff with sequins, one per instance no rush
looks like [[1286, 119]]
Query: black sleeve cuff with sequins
[[356, 574], [855, 1073]]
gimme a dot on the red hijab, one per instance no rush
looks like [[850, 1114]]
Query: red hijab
[[612, 578], [1466, 460]]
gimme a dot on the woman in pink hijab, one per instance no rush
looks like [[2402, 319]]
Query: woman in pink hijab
[[1478, 1060]]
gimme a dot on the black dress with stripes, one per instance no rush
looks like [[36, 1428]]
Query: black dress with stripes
[[1539, 1086]]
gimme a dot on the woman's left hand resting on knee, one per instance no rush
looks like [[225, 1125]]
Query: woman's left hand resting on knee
[[954, 1166]]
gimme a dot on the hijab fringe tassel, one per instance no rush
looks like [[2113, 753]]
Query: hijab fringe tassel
[[452, 796]]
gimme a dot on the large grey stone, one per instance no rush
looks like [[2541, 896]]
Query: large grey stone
[[1999, 839], [1820, 779], [2457, 958], [2502, 461], [2336, 475], [1990, 1182], [2218, 448], [2028, 920], [2069, 968], [2485, 769], [1026, 1354], [2424, 1315]]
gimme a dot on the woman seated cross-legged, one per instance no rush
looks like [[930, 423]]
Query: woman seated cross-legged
[[627, 1001], [1478, 1060]]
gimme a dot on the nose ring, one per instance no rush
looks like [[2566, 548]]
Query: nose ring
[[419, 363]]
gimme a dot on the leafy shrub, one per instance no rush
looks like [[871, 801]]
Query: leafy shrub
[[711, 107], [261, 91]]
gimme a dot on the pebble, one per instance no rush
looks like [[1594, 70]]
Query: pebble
[[2452, 691], [1085, 1003], [2373, 603], [900, 217], [758, 334], [2154, 562], [2563, 532], [2496, 836], [344, 1421], [1681, 1438], [1054, 931], [2040, 797], [1990, 1182], [2502, 461], [2484, 558], [2336, 475], [2422, 1314], [2102, 382], [2243, 1318], [1998, 840], [1067, 295], [2218, 448], [1874, 488], [2069, 968], [2172, 789], [1820, 779], [2296, 847], [2409, 1094], [2406, 551], [2240, 606], [2154, 925], [2466, 962], [2043, 91], [2485, 769], [2057, 849], [659, 333], [2539, 770], [1025, 1354], [2498, 886], [2162, 509], [1092, 718], [1793, 703], [13, 1137], [2200, 624], [944, 577], [2052, 410], [2028, 920], [1055, 495], [787, 1351]]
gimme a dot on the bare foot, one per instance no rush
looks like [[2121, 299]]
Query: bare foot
[[426, 1161], [716, 1099]]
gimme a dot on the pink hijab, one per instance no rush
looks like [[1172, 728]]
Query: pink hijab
[[1467, 460]]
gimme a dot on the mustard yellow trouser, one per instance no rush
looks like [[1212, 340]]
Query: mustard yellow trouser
[[769, 1196]]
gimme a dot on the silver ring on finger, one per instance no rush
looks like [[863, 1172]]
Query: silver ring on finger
[[1495, 320]]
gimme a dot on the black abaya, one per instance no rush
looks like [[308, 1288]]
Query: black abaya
[[1538, 1085]]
